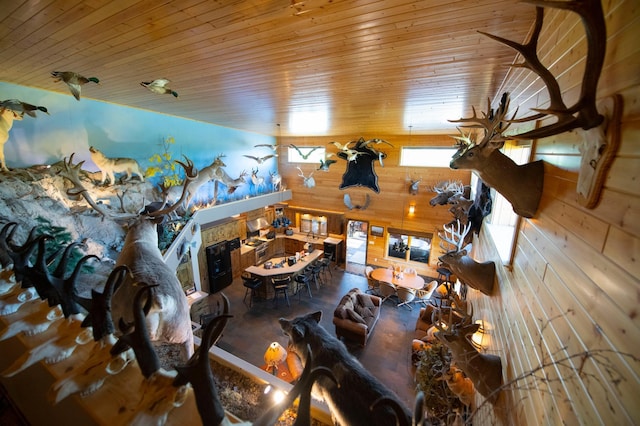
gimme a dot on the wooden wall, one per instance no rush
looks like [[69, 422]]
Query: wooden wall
[[574, 286], [390, 206]]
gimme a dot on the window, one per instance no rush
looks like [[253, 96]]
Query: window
[[435, 156], [311, 154], [409, 246]]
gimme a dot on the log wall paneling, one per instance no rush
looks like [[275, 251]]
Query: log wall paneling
[[572, 288], [387, 208]]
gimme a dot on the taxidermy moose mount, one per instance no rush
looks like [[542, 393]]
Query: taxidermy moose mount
[[522, 185], [168, 319]]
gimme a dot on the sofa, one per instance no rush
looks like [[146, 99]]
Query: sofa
[[356, 315]]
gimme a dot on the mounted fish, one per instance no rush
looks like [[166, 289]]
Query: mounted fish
[[73, 80], [159, 86]]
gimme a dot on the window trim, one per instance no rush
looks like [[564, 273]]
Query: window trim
[[410, 235]]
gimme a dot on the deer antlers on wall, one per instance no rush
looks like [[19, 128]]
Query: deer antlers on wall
[[584, 112], [597, 149]]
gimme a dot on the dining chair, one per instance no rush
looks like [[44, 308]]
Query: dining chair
[[406, 296], [374, 285], [387, 290], [281, 286], [424, 294]]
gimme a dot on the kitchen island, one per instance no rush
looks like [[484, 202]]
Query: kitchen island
[[265, 274]]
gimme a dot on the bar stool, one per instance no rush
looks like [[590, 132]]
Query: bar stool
[[326, 266], [302, 280], [316, 268], [446, 274], [251, 284], [281, 286]]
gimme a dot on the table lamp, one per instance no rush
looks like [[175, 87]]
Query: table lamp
[[274, 355]]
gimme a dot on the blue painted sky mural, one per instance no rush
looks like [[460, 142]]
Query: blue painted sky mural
[[120, 131]]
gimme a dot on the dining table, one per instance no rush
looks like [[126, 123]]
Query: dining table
[[413, 281]]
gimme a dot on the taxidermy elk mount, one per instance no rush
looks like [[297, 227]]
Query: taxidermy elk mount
[[598, 149], [521, 185], [169, 320]]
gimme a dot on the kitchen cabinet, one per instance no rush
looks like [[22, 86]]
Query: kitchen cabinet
[[278, 247], [236, 263], [247, 259]]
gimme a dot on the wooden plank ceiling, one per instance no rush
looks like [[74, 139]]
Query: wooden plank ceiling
[[374, 67]]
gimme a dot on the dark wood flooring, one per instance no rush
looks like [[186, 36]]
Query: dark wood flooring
[[387, 354]]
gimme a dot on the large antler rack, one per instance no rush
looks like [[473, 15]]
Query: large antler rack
[[71, 172], [494, 124], [455, 238], [584, 112]]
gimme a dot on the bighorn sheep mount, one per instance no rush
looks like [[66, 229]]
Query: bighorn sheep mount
[[522, 185]]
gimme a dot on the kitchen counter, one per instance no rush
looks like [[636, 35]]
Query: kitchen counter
[[319, 239], [261, 271]]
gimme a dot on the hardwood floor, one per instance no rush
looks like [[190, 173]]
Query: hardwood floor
[[387, 354]]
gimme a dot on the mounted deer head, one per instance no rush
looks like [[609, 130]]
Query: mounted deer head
[[520, 185], [445, 190], [480, 276], [309, 181], [484, 370], [599, 144]]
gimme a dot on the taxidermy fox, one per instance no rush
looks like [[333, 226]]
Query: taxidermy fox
[[358, 389], [110, 166]]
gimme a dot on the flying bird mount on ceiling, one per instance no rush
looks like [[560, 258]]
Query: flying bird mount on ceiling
[[159, 86], [600, 121], [73, 80], [361, 157]]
